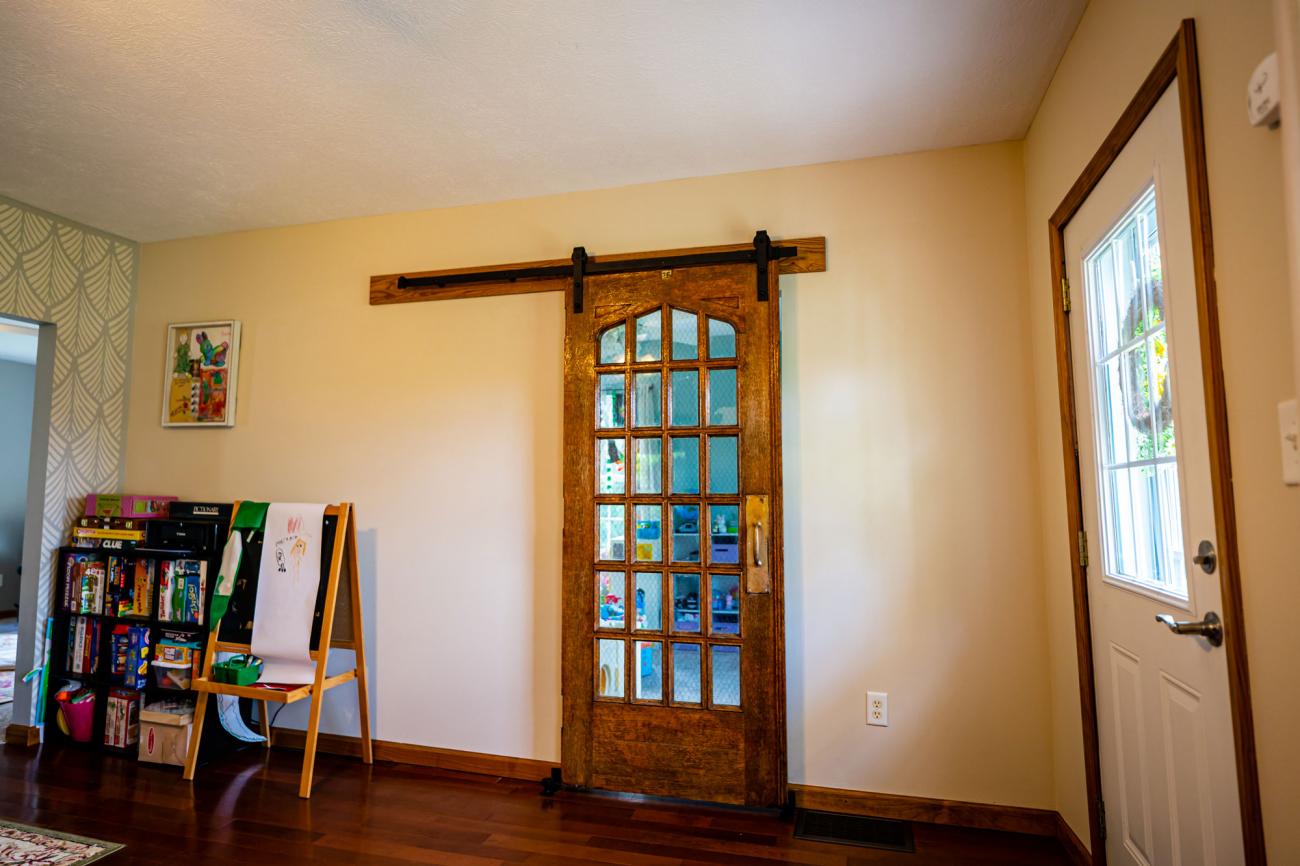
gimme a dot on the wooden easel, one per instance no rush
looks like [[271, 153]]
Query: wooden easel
[[345, 537]]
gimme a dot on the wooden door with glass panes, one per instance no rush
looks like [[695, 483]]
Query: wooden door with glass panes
[[673, 651]]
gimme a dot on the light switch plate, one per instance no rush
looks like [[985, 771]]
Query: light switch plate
[[1289, 431]]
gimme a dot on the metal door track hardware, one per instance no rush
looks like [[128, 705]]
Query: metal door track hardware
[[1210, 628], [760, 255]]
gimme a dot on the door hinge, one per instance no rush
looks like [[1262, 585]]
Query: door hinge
[[1083, 549], [1101, 819], [1065, 294]]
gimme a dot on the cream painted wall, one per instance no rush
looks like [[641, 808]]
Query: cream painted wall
[[1114, 47], [913, 550]]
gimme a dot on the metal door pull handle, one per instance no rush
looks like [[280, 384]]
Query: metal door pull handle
[[759, 547], [1210, 628]]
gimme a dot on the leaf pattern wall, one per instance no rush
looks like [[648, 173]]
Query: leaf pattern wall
[[84, 282]]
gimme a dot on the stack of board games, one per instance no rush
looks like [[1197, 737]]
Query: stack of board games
[[181, 590], [122, 718], [127, 505], [83, 645], [130, 587], [129, 663], [84, 580], [113, 533]]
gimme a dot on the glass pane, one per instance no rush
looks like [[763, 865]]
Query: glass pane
[[645, 411], [724, 476], [610, 401], [1162, 387], [1136, 507], [686, 603], [610, 533], [1170, 543], [649, 533], [686, 464], [686, 333], [609, 465], [649, 601], [609, 674], [722, 339], [686, 673], [724, 603], [648, 466], [1104, 302], [1148, 240], [726, 676], [724, 534], [684, 398], [722, 396], [649, 337], [1117, 441], [686, 533], [649, 669], [613, 345], [609, 598], [1133, 404]]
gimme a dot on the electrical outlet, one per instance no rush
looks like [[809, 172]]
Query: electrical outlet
[[878, 709]]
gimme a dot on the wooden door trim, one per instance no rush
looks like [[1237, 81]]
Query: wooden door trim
[[1178, 64]]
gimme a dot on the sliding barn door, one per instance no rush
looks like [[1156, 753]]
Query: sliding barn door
[[673, 624]]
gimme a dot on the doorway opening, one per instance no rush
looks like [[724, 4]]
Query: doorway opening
[[18, 351], [1168, 737]]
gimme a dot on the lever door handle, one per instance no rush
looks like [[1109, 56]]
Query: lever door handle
[[1210, 628]]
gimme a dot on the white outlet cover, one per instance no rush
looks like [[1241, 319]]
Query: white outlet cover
[[878, 709]]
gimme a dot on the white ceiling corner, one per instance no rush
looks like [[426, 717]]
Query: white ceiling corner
[[165, 120]]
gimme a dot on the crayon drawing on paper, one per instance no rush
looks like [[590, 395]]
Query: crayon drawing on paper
[[199, 380]]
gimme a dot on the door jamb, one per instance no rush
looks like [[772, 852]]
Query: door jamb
[[1178, 64]]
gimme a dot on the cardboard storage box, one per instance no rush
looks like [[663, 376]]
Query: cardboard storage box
[[165, 733]]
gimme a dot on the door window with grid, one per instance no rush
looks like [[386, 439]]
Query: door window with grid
[[666, 582], [1133, 405]]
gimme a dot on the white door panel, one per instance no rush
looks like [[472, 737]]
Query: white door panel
[[1163, 710], [1131, 763]]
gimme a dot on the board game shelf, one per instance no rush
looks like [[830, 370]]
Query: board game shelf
[[93, 585]]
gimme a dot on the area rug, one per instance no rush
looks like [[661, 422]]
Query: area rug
[[21, 845], [8, 641], [6, 686]]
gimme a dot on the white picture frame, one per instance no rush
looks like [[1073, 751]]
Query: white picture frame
[[204, 394]]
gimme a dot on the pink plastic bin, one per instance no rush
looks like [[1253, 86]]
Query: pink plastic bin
[[80, 718]]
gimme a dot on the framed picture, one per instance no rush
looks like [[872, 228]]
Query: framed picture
[[199, 378]]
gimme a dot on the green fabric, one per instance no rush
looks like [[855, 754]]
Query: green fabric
[[251, 515]]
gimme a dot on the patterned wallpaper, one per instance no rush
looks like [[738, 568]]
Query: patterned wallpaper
[[84, 281]]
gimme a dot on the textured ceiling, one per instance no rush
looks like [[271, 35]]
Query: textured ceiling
[[169, 118]]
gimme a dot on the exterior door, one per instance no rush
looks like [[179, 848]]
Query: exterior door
[[1168, 769], [673, 630]]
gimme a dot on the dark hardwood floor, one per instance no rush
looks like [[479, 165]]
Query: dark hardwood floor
[[245, 809]]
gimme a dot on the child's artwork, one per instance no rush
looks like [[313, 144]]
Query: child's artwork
[[199, 383]]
